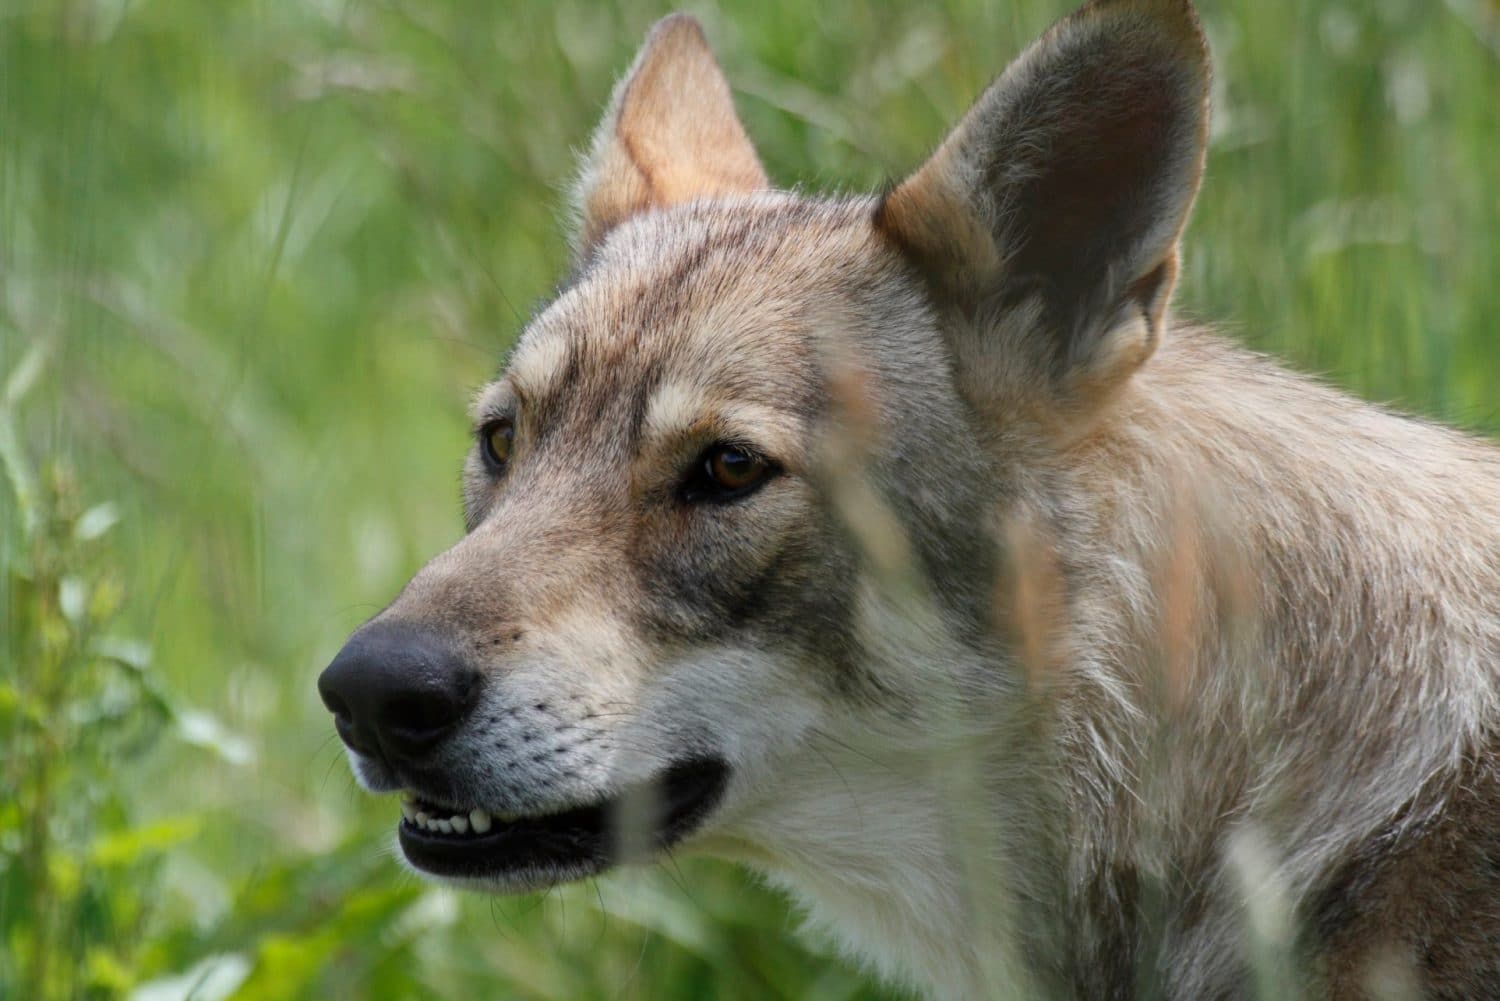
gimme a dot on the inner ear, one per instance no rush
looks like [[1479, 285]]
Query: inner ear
[[670, 135], [1062, 194], [1094, 193]]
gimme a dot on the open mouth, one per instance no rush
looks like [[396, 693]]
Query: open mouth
[[530, 851]]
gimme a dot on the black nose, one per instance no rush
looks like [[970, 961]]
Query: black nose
[[395, 690]]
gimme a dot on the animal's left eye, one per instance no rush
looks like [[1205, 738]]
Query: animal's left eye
[[495, 440], [727, 472]]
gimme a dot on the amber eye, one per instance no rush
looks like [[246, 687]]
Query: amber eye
[[495, 438], [727, 472], [734, 468]]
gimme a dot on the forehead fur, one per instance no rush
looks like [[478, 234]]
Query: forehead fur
[[713, 306]]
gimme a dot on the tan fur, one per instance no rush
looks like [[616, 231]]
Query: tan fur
[[1072, 652]]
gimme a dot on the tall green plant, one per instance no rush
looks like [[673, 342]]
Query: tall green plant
[[76, 702]]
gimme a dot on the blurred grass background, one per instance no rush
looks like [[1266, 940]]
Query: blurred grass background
[[254, 255]]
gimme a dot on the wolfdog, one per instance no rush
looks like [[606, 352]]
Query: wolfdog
[[903, 548]]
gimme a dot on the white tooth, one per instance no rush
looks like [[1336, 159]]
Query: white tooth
[[407, 810], [480, 821], [422, 818], [460, 824], [407, 797], [445, 827]]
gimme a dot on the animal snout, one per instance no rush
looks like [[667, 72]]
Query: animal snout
[[396, 689]]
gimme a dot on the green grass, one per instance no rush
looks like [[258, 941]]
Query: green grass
[[262, 251]]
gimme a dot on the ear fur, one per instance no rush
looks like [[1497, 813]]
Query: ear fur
[[670, 135], [1063, 192]]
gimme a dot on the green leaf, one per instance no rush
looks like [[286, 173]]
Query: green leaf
[[122, 848], [106, 971]]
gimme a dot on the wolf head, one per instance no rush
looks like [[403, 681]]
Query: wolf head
[[734, 501]]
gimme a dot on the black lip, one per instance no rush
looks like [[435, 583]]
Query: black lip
[[537, 851]]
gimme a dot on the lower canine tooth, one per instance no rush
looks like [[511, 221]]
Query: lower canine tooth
[[460, 824], [480, 821]]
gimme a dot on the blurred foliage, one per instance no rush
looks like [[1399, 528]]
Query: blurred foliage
[[255, 253], [77, 704]]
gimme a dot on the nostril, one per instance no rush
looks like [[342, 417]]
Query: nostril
[[328, 691], [430, 714], [334, 704], [422, 716], [344, 720]]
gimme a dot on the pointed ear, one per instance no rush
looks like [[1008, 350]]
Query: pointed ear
[[670, 135], [1058, 201]]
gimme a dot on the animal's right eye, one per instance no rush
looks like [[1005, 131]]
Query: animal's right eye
[[495, 440], [727, 472]]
